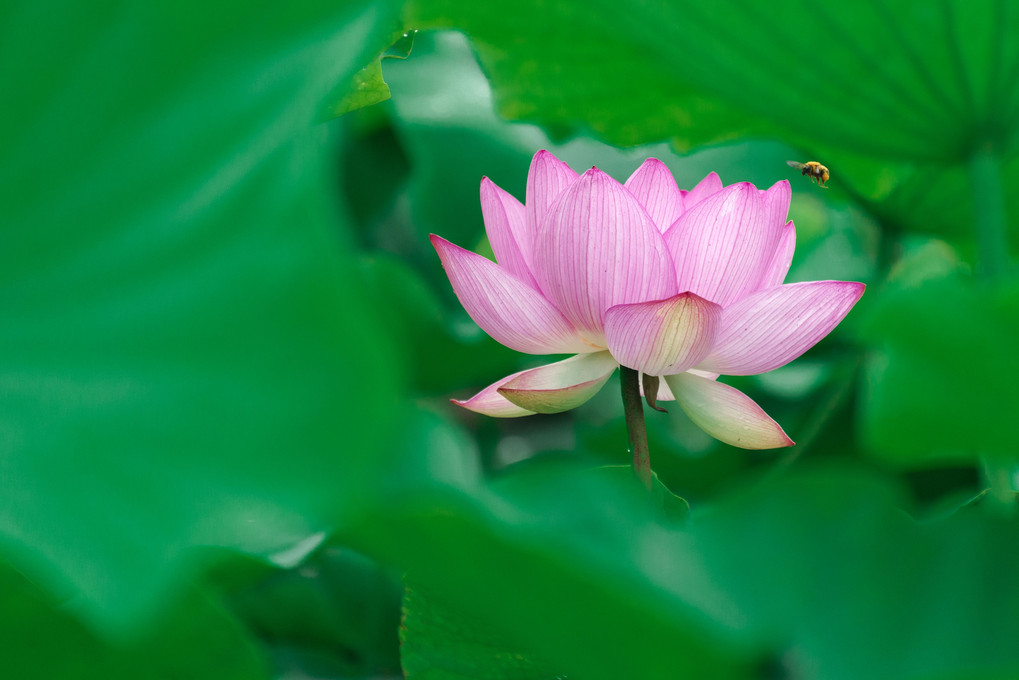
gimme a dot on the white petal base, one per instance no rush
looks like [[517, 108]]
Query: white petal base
[[726, 413], [560, 386], [488, 402], [553, 388]]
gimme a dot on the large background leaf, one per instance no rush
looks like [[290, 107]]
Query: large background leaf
[[869, 77], [892, 96]]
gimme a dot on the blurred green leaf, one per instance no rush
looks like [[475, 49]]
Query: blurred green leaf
[[187, 359], [816, 574], [931, 198], [334, 616], [450, 643], [195, 638], [554, 563], [449, 353], [842, 584], [443, 115], [437, 646], [672, 508], [944, 372]]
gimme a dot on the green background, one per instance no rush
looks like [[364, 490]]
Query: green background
[[227, 348]]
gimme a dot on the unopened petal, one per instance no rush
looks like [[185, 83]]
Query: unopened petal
[[711, 184], [547, 178], [490, 403], [665, 336], [655, 188], [772, 327], [598, 248], [506, 226], [560, 386], [726, 413], [721, 246], [507, 308], [778, 268]]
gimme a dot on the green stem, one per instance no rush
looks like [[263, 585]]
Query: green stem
[[633, 407], [993, 265], [989, 215]]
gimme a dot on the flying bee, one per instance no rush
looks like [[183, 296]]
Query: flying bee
[[817, 172]]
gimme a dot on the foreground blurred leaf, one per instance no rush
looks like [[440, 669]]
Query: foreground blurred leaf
[[334, 616], [449, 642], [195, 638], [844, 585], [669, 507], [553, 563], [945, 372], [186, 359], [436, 646], [816, 575]]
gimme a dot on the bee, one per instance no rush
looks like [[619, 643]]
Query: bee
[[812, 169]]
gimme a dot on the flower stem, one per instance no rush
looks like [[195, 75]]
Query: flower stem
[[990, 221], [633, 407], [989, 215]]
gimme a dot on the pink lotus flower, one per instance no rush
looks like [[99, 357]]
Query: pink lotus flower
[[686, 285]]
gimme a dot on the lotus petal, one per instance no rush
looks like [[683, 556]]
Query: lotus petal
[[777, 270], [774, 326], [665, 336], [721, 246], [547, 178], [560, 386], [506, 226], [653, 185], [711, 184], [776, 201], [490, 403], [704, 374], [507, 308], [726, 413], [598, 248]]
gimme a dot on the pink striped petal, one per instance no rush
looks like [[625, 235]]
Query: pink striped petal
[[489, 402], [655, 188], [506, 224], [777, 270], [706, 187], [772, 327], [560, 386], [776, 205], [509, 310], [547, 178], [776, 201], [662, 337], [598, 248], [721, 245], [726, 413]]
